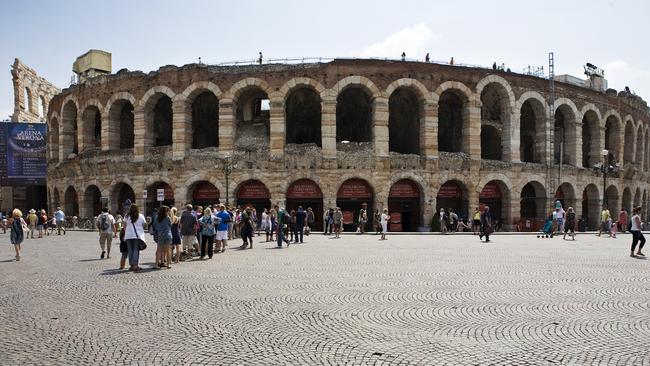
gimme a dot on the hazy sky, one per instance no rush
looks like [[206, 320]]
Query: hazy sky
[[144, 35]]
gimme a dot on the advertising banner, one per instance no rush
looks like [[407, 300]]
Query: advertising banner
[[24, 145]]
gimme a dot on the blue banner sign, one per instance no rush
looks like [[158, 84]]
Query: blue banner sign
[[25, 147]]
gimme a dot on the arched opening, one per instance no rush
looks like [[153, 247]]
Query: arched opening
[[639, 147], [71, 202], [122, 192], [69, 136], [591, 207], [158, 115], [612, 198], [566, 195], [404, 206], [306, 193], [53, 136], [494, 115], [92, 128], [93, 201], [27, 106], [496, 195], [452, 195], [205, 121], [564, 136], [352, 194], [404, 114], [252, 115], [613, 139], [637, 198], [56, 199], [531, 132], [120, 133], [491, 148], [154, 192], [303, 116], [203, 193], [646, 162], [627, 202], [628, 150], [253, 193], [532, 206], [591, 149], [354, 115], [452, 116]]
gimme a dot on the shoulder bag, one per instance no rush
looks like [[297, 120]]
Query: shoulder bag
[[141, 244]]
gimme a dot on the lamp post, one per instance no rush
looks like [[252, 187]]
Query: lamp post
[[603, 168], [227, 169]]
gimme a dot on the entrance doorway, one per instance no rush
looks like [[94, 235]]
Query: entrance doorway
[[204, 194], [306, 193], [152, 197], [492, 196], [253, 193], [352, 194], [404, 206]]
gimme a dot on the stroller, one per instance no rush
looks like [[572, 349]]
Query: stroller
[[547, 230]]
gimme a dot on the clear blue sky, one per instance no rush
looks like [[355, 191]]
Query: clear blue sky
[[144, 35]]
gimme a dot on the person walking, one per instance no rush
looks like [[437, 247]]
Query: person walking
[[327, 221], [570, 224], [637, 235], [59, 215], [42, 221], [337, 219], [134, 225], [224, 221], [604, 220], [452, 218], [301, 222], [17, 231], [384, 224], [105, 223], [188, 225], [246, 228], [363, 218], [208, 231], [282, 225], [293, 232], [476, 221], [162, 226], [486, 224], [32, 220], [176, 237], [622, 220]]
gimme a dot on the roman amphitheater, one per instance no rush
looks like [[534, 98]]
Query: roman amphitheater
[[409, 136]]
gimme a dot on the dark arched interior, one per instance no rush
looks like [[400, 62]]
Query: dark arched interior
[[354, 116], [205, 121], [303, 115], [126, 126], [450, 122], [490, 143], [162, 121], [404, 122], [527, 134], [559, 130]]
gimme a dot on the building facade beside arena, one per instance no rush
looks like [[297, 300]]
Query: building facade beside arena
[[410, 136]]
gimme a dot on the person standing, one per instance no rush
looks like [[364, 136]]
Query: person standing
[[208, 231], [105, 223], [224, 221], [246, 228], [32, 219], [559, 218], [384, 224], [376, 221], [337, 219], [622, 220], [134, 225], [176, 237], [17, 231], [453, 221], [162, 226], [363, 218], [570, 224], [637, 235], [42, 222], [301, 222], [486, 224], [188, 224], [293, 232], [311, 219], [59, 215], [604, 219], [282, 224], [476, 222], [442, 219]]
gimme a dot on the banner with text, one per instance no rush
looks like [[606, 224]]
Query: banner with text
[[24, 146]]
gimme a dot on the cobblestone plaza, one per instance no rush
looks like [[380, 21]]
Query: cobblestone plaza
[[411, 300]]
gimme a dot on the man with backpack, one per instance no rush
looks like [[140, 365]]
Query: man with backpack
[[107, 231]]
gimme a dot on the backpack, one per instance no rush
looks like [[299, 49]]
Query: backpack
[[103, 223]]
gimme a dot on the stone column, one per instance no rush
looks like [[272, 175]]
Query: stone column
[[380, 126], [141, 139], [108, 132], [226, 136], [277, 122], [472, 129], [511, 137], [574, 148], [328, 127], [429, 129], [180, 128]]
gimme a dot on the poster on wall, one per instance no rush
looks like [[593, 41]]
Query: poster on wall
[[24, 147]]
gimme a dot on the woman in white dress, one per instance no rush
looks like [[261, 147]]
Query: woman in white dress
[[384, 224]]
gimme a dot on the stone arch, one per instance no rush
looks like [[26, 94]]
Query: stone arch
[[406, 119], [613, 133], [626, 201], [565, 132], [496, 194], [253, 101], [200, 177], [356, 81], [303, 112], [497, 104], [198, 87], [533, 202], [301, 82], [68, 140], [92, 201], [91, 125], [53, 138], [454, 101], [71, 199], [202, 113], [591, 139], [355, 111], [415, 85], [637, 197], [158, 116], [455, 194], [629, 140], [566, 194], [646, 160], [121, 128], [638, 159], [121, 191], [28, 106], [591, 206], [496, 79], [612, 196], [533, 114]]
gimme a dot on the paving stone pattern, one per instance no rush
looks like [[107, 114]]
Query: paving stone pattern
[[411, 300]]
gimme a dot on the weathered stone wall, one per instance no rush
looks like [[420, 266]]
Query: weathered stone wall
[[29, 89], [277, 165]]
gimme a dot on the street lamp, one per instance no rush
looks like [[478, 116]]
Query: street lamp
[[227, 169], [604, 168]]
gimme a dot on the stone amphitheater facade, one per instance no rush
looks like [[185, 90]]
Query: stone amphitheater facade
[[409, 136]]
